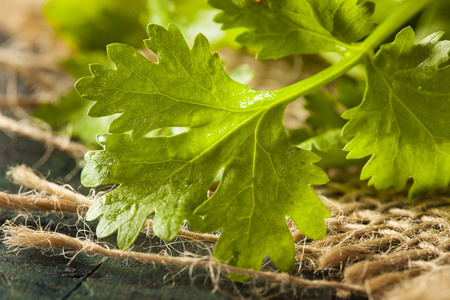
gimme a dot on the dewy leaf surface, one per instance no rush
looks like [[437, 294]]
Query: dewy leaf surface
[[403, 121], [229, 126], [279, 28]]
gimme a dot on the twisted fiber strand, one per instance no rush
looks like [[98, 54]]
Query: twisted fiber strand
[[20, 236], [24, 176], [39, 203], [396, 241], [67, 200], [25, 100], [361, 271], [60, 142], [312, 250]]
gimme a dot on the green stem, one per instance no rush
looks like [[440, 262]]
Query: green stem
[[355, 55]]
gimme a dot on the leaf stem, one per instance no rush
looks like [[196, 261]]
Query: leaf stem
[[405, 12], [355, 54]]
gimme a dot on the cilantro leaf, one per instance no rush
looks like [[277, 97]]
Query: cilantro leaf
[[90, 25], [383, 9], [323, 111], [328, 146], [323, 135], [324, 141], [264, 181], [70, 114], [279, 28], [434, 18], [403, 120], [192, 17], [229, 126]]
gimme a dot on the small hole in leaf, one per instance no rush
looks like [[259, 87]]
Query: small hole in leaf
[[216, 182], [166, 131]]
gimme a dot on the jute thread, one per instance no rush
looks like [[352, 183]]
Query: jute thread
[[372, 247], [20, 236], [62, 143]]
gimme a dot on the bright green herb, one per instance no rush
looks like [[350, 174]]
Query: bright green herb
[[230, 126], [403, 120], [284, 27], [240, 130], [90, 25]]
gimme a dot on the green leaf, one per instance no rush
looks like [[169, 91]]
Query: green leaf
[[384, 8], [328, 146], [323, 112], [264, 181], [78, 65], [70, 113], [434, 18], [229, 125], [350, 93], [325, 109], [279, 28], [323, 134], [403, 121], [325, 141], [90, 25], [242, 74], [192, 17]]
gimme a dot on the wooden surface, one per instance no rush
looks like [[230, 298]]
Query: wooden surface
[[36, 274]]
